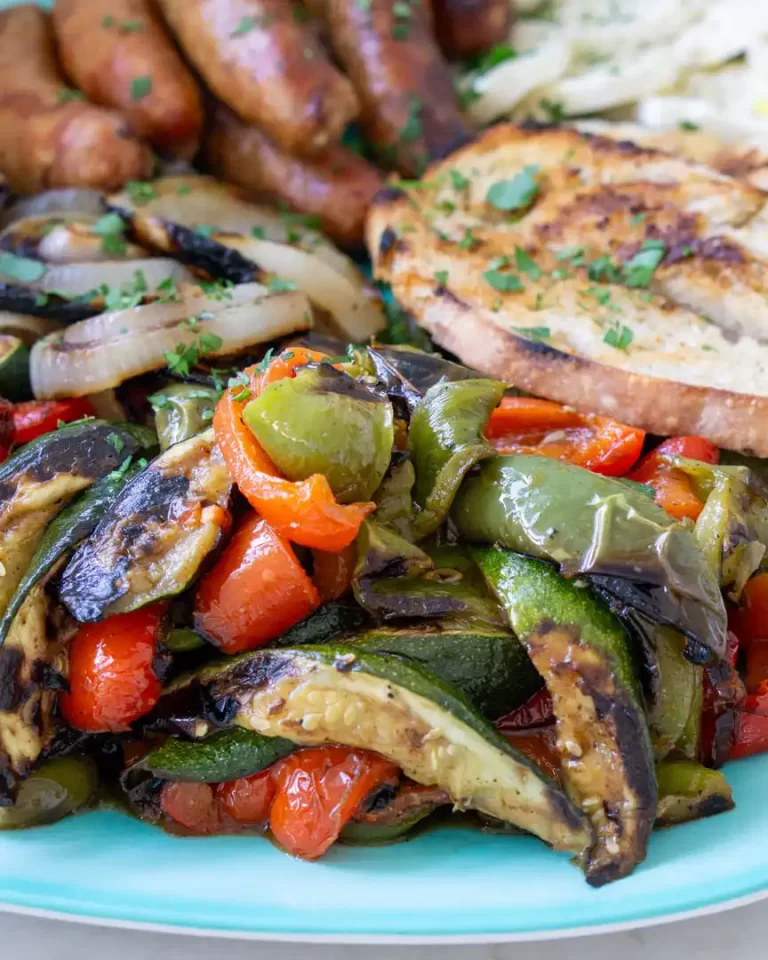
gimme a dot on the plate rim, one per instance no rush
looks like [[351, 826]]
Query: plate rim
[[361, 939]]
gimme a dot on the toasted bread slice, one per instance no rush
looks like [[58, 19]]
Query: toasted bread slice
[[556, 300]]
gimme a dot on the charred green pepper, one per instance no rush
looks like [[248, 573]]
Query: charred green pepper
[[647, 566], [584, 657], [677, 707], [732, 529], [445, 441], [14, 369], [689, 791], [56, 789], [324, 421], [181, 411]]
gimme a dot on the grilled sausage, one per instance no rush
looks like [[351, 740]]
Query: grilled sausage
[[119, 54], [48, 139], [467, 27], [336, 187], [409, 106], [268, 65]]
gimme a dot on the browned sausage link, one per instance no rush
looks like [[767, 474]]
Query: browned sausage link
[[261, 59], [47, 138], [467, 27], [409, 106], [119, 54], [336, 187]]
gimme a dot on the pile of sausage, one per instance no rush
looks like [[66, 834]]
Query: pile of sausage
[[259, 92]]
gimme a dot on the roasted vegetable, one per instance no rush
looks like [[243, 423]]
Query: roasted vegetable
[[489, 665], [676, 710], [181, 411], [391, 815], [732, 529], [151, 542], [584, 657], [39, 480], [14, 369], [324, 421], [407, 373], [446, 440], [340, 694], [648, 567], [68, 529], [56, 789], [688, 791], [223, 756]]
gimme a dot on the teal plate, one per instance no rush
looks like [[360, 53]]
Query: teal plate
[[448, 884]]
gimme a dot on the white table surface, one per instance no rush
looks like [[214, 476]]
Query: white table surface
[[737, 935]]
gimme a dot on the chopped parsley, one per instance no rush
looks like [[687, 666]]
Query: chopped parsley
[[242, 381], [183, 189], [638, 218], [412, 128], [442, 277], [574, 254], [210, 342], [128, 295], [131, 26], [505, 282], [688, 125], [469, 240], [278, 285], [217, 289], [245, 26], [185, 356], [493, 57], [539, 334], [168, 289], [110, 228], [310, 220], [261, 366], [515, 194], [402, 9], [67, 95], [140, 192], [116, 441], [205, 230], [554, 111], [458, 180], [601, 294], [23, 269], [603, 268], [258, 233], [141, 87], [525, 263], [618, 336], [638, 271]]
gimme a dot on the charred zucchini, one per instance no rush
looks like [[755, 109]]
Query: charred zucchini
[[71, 526], [490, 666], [14, 369], [341, 694], [648, 567], [583, 655], [224, 756], [45, 475], [152, 540]]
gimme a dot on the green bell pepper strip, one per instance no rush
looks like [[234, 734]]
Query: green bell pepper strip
[[53, 791], [648, 566], [689, 791], [181, 411], [394, 504], [732, 529], [445, 441], [323, 421], [584, 656], [676, 712]]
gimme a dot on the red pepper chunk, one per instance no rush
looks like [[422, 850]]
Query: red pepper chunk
[[112, 681], [256, 591], [673, 488], [37, 417], [546, 428], [752, 730]]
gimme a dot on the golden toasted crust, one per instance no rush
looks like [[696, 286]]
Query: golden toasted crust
[[571, 329]]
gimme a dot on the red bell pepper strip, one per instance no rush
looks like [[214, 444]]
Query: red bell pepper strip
[[35, 417], [256, 591], [673, 488], [600, 444]]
